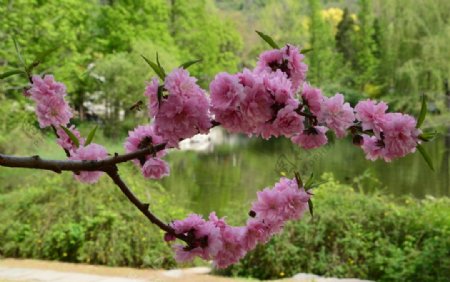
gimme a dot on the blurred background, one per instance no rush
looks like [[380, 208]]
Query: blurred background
[[375, 220]]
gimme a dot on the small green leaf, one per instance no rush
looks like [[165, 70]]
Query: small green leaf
[[91, 135], [311, 207], [305, 51], [11, 73], [189, 63], [155, 68], [309, 182], [159, 65], [317, 184], [428, 136], [299, 179], [423, 111], [19, 54], [72, 136], [425, 156], [268, 39]]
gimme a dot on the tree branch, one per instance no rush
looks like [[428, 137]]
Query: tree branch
[[35, 162], [143, 207]]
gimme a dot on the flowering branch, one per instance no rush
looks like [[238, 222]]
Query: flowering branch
[[272, 100]]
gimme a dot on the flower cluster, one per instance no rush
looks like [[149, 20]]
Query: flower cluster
[[214, 239], [394, 134], [261, 101], [152, 166], [53, 110], [180, 107]]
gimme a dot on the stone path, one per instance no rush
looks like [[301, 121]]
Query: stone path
[[12, 270], [28, 274]]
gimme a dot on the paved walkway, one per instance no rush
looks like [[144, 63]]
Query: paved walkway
[[28, 274], [12, 270]]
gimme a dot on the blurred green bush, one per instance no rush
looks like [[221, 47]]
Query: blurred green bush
[[56, 218]]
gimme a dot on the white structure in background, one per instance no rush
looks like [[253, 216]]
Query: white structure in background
[[207, 142]]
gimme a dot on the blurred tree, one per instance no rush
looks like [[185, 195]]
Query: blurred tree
[[366, 62], [324, 61], [201, 34]]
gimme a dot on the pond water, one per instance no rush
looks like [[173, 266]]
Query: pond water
[[230, 175]]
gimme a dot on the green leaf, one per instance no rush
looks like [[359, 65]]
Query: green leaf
[[11, 73], [19, 54], [305, 51], [311, 207], [268, 39], [423, 112], [189, 63], [310, 182], [72, 136], [425, 156], [317, 184], [299, 179], [155, 68], [428, 136], [91, 135], [159, 65]]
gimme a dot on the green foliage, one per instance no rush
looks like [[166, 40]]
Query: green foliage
[[59, 219], [93, 47], [369, 236]]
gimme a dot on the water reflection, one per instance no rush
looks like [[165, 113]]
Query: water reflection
[[230, 175]]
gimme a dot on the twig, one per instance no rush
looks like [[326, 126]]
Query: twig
[[143, 207]]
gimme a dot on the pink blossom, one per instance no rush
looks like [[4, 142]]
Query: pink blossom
[[257, 232], [187, 224], [185, 254], [373, 147], [64, 140], [279, 86], [231, 120], [288, 60], [400, 135], [248, 78], [90, 152], [232, 249], [180, 83], [311, 138], [218, 222], [226, 92], [371, 115], [46, 87], [269, 205], [257, 105], [155, 168], [313, 98], [142, 137], [336, 114], [226, 96], [288, 121], [206, 238], [53, 110], [185, 112], [151, 91]]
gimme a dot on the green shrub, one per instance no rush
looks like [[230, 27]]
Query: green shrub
[[357, 235], [54, 217]]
